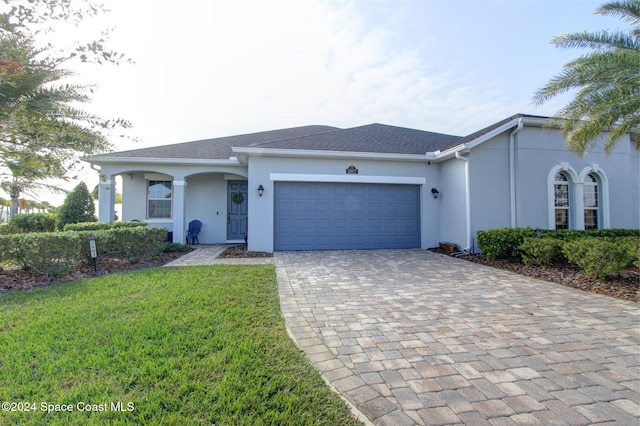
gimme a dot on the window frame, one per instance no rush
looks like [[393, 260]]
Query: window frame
[[567, 207], [150, 198], [592, 182], [577, 187]]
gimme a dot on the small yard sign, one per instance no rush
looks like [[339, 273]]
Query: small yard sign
[[94, 253]]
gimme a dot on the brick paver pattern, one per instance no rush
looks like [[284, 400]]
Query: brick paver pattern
[[413, 337]]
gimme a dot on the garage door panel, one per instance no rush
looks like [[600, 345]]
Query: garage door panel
[[321, 216]]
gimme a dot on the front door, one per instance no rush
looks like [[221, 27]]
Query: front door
[[236, 210]]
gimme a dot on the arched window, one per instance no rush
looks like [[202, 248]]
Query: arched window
[[591, 202], [561, 200]]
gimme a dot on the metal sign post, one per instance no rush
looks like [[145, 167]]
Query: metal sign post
[[94, 253]]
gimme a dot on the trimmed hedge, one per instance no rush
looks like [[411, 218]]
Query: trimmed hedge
[[126, 243], [541, 251], [503, 243], [50, 254], [598, 257], [34, 222], [100, 226], [632, 246], [174, 248], [59, 253], [599, 252]]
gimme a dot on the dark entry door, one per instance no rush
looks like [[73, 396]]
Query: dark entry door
[[236, 212]]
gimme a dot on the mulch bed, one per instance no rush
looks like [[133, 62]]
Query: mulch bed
[[16, 279], [625, 285], [242, 252]]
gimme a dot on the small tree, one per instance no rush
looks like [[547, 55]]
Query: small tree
[[77, 207]]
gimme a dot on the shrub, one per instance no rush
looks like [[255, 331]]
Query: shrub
[[5, 229], [77, 207], [35, 222], [50, 254], [57, 253], [596, 256], [96, 226], [541, 251], [6, 242], [129, 243], [503, 243], [632, 248], [174, 248], [612, 233]]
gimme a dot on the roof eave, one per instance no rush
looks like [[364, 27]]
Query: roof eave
[[232, 161], [439, 156]]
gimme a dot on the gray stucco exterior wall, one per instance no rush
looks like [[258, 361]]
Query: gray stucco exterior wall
[[538, 151]]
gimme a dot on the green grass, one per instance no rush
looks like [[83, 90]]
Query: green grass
[[198, 345]]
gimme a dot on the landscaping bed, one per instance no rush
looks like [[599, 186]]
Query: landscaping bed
[[242, 252], [15, 279], [625, 285]]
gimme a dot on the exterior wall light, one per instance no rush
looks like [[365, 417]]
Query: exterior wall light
[[260, 190], [435, 193]]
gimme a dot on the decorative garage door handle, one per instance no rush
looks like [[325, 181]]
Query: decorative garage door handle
[[228, 218]]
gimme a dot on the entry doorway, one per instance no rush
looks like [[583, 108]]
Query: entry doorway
[[237, 210]]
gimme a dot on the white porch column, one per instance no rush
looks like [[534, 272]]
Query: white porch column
[[179, 188], [106, 198]]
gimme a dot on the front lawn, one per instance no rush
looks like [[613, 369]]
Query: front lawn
[[197, 345]]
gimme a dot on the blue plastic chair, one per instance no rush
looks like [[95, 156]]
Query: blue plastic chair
[[193, 231]]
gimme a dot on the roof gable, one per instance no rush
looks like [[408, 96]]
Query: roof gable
[[481, 132], [372, 138]]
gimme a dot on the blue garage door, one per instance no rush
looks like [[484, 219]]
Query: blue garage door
[[323, 216]]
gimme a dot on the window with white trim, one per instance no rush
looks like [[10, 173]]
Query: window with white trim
[[159, 196], [591, 202], [561, 200]]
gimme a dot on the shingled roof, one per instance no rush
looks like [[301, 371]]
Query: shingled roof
[[375, 138], [217, 148], [494, 126], [372, 138]]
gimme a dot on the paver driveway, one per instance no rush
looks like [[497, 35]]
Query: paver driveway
[[413, 337]]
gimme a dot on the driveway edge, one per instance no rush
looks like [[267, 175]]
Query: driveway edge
[[318, 354]]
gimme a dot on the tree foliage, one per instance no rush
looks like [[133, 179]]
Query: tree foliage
[[77, 207], [607, 80], [42, 128]]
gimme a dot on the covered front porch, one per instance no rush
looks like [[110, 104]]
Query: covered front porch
[[172, 196]]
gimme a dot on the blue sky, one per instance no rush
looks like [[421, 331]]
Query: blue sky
[[209, 68]]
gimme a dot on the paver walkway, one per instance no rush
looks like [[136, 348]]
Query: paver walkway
[[413, 337], [208, 255]]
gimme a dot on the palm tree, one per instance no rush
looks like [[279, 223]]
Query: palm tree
[[607, 79], [42, 130], [47, 207], [3, 204]]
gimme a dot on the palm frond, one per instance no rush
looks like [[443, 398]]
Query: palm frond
[[627, 10], [601, 40]]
